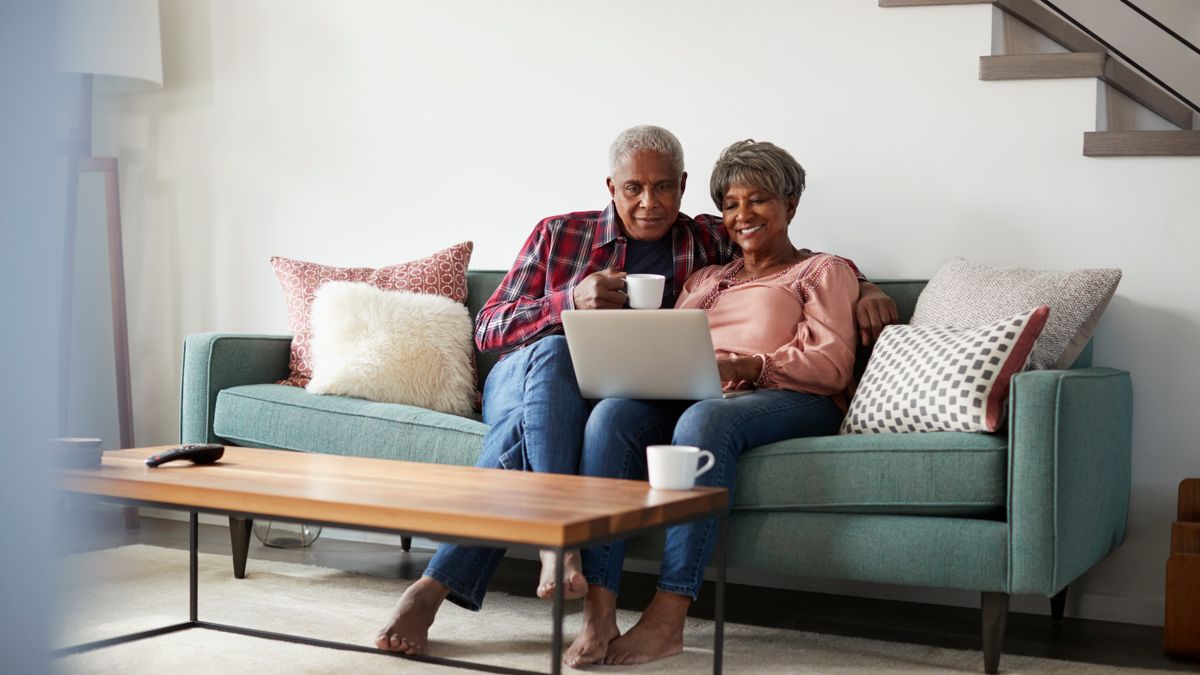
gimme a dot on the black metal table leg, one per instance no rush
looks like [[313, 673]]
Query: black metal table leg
[[194, 564], [557, 641], [719, 609]]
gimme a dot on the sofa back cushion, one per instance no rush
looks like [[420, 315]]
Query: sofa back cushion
[[482, 283], [904, 291], [480, 286]]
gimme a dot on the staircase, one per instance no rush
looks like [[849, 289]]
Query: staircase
[[1036, 43]]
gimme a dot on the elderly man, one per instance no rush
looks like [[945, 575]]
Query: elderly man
[[531, 400]]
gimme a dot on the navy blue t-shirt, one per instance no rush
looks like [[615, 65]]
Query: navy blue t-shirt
[[653, 257]]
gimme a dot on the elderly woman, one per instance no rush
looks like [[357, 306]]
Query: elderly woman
[[783, 326]]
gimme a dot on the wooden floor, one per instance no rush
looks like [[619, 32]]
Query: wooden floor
[[1100, 642]]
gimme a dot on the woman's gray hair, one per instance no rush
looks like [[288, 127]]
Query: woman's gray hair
[[756, 164], [646, 137]]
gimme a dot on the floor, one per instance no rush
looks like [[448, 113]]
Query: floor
[[1084, 640]]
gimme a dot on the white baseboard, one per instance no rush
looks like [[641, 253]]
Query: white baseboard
[[1123, 608]]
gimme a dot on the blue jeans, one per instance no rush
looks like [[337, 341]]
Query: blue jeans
[[614, 446], [532, 402]]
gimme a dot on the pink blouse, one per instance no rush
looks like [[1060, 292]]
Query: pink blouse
[[799, 321]]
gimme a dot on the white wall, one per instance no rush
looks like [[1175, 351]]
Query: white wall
[[367, 133]]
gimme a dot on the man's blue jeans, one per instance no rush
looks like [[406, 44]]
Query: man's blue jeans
[[532, 402], [615, 441]]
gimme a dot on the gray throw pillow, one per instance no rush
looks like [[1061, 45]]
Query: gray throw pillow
[[964, 294]]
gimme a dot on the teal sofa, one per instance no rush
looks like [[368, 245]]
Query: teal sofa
[[1025, 511]]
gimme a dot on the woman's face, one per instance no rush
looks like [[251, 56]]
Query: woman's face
[[756, 219]]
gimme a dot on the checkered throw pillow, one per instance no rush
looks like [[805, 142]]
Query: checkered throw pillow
[[925, 378]]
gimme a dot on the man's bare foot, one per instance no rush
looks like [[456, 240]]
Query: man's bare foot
[[657, 635], [408, 631], [599, 629], [576, 583]]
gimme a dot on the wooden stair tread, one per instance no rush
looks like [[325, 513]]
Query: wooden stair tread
[[1041, 66], [1141, 143]]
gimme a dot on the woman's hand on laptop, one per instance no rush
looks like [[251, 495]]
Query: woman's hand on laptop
[[600, 290], [739, 368]]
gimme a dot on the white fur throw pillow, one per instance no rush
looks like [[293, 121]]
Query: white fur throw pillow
[[392, 347]]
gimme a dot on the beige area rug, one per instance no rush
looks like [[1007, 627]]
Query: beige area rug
[[134, 588]]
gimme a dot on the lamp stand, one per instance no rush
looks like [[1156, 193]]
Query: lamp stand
[[116, 280], [81, 161]]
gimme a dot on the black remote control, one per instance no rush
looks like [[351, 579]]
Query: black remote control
[[198, 453]]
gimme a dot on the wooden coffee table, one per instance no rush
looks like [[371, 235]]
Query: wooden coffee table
[[465, 505]]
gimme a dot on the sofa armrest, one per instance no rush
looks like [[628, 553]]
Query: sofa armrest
[[1070, 439], [216, 361]]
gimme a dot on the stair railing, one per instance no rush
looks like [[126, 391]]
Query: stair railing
[[1149, 75]]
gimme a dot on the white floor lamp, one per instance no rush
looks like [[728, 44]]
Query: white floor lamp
[[115, 47]]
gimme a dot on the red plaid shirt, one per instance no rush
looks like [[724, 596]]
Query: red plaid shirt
[[563, 250]]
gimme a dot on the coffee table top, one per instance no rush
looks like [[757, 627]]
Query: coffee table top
[[487, 504]]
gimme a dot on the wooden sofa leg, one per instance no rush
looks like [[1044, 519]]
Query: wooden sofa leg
[[239, 536], [1058, 603], [994, 608], [405, 543]]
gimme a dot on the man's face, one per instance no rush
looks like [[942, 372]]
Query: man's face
[[647, 194]]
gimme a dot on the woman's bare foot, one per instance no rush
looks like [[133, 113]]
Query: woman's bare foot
[[599, 629], [408, 631], [657, 635], [576, 583]]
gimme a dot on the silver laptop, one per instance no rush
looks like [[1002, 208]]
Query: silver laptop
[[646, 353]]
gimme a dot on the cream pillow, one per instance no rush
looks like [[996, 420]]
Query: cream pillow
[[965, 294], [392, 347]]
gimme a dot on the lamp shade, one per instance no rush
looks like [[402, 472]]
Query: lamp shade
[[115, 40]]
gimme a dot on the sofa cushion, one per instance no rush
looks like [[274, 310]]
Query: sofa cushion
[[933, 474], [279, 416]]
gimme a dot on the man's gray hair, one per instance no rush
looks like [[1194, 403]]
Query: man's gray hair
[[756, 164], [646, 137]]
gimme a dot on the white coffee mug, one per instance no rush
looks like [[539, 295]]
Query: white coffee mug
[[675, 467], [645, 290]]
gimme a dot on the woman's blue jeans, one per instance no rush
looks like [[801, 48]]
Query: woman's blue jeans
[[614, 446], [532, 402]]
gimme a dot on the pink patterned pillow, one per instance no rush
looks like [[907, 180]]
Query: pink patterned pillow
[[443, 273]]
